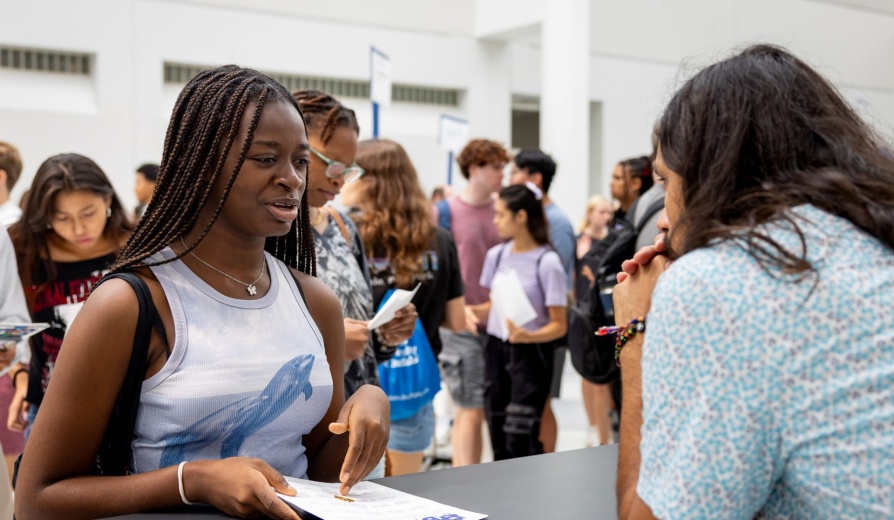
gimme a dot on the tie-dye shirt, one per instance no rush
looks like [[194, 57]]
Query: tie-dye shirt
[[245, 378], [766, 396]]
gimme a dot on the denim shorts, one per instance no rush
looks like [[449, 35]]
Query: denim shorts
[[413, 434], [462, 367]]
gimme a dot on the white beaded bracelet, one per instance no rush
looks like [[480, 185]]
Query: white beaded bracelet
[[180, 484]]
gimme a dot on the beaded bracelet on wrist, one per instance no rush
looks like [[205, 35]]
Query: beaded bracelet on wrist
[[625, 334]]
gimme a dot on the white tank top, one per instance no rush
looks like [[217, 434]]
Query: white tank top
[[245, 377]]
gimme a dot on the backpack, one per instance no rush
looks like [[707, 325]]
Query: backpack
[[443, 214], [594, 356]]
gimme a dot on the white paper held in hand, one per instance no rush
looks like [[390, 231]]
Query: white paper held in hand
[[399, 299], [507, 295]]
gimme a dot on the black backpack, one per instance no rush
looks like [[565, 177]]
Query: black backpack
[[594, 356]]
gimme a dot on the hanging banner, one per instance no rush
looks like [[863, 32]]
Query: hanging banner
[[453, 133], [379, 77]]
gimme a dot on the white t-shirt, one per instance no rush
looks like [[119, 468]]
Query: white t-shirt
[[10, 213]]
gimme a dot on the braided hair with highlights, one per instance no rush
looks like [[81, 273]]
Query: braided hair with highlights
[[203, 128], [323, 114], [639, 168]]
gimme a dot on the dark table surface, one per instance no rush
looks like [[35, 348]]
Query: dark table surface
[[569, 484]]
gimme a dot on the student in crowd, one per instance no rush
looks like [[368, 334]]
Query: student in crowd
[[630, 179], [780, 212], [245, 382], [593, 228], [469, 216], [10, 171], [13, 309], [519, 369], [70, 233], [144, 185], [441, 192], [406, 248], [539, 168], [10, 355], [597, 398], [332, 132]]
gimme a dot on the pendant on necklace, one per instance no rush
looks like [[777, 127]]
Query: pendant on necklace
[[252, 290]]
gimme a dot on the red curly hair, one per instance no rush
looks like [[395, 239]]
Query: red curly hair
[[480, 152]]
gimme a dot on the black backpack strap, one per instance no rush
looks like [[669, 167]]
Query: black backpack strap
[[298, 284], [500, 256], [654, 208], [116, 449], [536, 267], [537, 271]]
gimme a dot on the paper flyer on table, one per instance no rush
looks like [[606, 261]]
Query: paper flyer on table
[[369, 500], [20, 331], [508, 298], [398, 300]]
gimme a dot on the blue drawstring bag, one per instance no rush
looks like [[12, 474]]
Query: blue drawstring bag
[[410, 379]]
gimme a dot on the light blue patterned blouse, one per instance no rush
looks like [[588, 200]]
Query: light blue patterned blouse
[[769, 397]]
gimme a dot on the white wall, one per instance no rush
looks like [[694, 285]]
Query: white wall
[[119, 116], [641, 52], [488, 49]]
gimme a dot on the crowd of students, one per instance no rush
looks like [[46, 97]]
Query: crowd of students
[[762, 386]]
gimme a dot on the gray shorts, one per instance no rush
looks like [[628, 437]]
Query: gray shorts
[[462, 367]]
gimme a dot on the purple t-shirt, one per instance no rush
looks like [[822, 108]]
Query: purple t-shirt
[[552, 279], [473, 233]]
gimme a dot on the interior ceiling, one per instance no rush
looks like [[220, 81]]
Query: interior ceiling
[[880, 6]]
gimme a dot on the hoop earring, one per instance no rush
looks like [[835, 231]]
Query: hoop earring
[[108, 212]]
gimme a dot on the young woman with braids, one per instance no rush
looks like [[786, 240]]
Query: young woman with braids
[[332, 132], [759, 385], [251, 386], [69, 235], [407, 248]]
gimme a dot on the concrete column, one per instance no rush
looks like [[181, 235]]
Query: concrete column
[[564, 101], [489, 100]]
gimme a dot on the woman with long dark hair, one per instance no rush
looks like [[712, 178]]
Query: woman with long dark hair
[[405, 248], [68, 236], [758, 371], [519, 356]]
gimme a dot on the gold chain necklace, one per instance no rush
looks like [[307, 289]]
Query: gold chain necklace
[[319, 218], [250, 287]]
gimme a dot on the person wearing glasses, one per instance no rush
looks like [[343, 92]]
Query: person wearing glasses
[[332, 132]]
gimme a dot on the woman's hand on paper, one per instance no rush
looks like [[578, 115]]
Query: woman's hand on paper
[[366, 417], [401, 327], [238, 486]]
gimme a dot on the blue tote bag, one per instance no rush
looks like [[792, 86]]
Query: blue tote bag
[[410, 378]]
